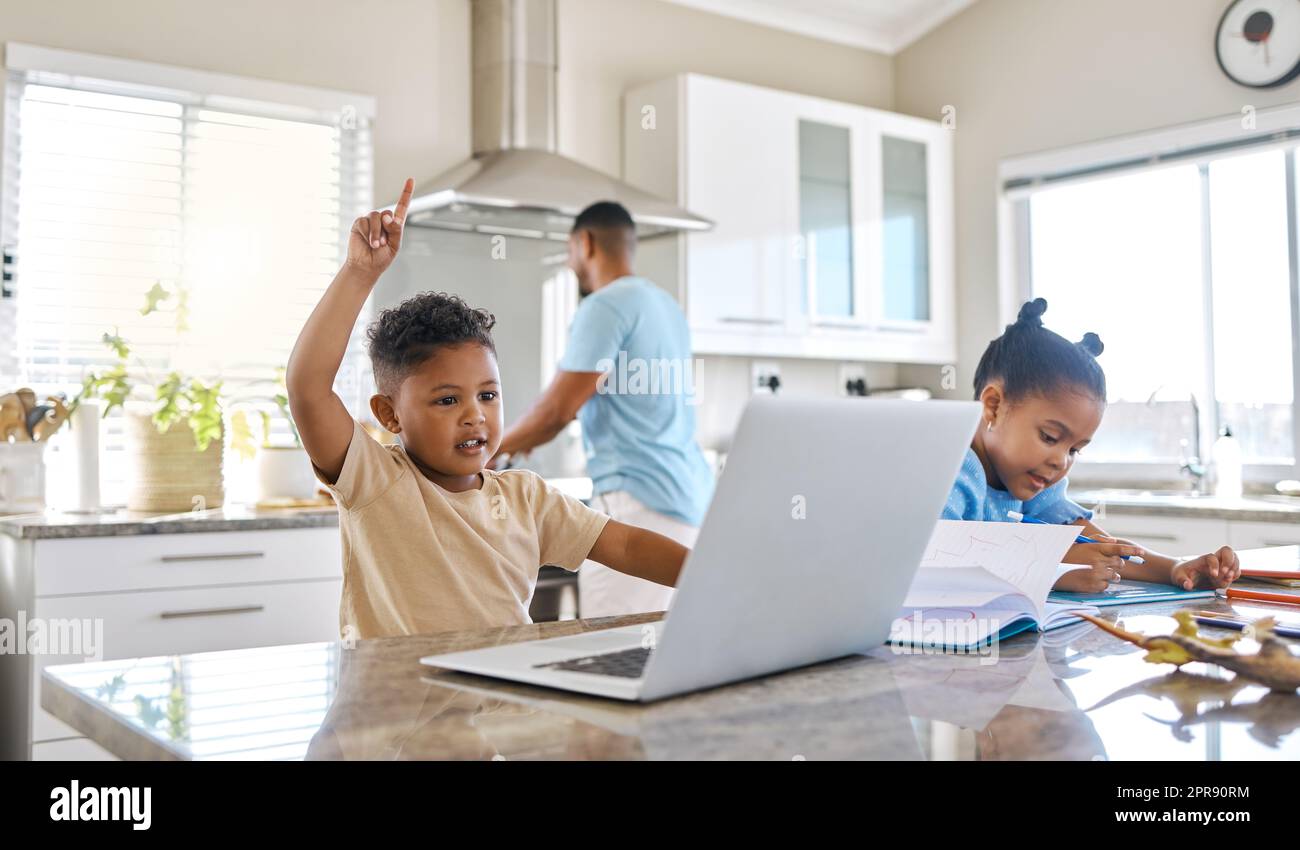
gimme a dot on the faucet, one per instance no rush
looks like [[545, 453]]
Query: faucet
[[1190, 464]]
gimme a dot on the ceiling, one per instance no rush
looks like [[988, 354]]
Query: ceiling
[[886, 26]]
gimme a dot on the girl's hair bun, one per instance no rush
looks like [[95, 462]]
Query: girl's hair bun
[[1031, 313], [1091, 343], [1029, 359]]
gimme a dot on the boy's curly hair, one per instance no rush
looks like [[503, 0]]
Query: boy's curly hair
[[405, 336]]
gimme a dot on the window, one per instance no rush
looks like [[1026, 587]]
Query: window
[[1120, 257], [234, 204], [1250, 271], [1182, 264]]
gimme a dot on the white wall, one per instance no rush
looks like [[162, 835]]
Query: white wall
[[1031, 75], [411, 55], [609, 46]]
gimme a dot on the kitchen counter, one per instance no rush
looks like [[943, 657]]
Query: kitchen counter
[[1250, 508], [1075, 693], [58, 525]]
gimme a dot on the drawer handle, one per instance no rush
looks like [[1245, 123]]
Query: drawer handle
[[214, 556], [212, 612], [846, 325], [1281, 543], [744, 321]]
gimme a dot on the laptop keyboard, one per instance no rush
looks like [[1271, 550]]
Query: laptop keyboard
[[627, 663]]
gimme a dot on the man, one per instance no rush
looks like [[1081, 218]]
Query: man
[[627, 375]]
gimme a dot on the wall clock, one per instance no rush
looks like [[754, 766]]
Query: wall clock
[[1258, 42]]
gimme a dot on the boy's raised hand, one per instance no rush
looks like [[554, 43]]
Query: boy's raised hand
[[1215, 569], [376, 238]]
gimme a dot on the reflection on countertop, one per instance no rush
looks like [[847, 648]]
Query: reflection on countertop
[[1074, 693]]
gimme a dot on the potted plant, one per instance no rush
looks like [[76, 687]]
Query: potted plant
[[284, 471], [175, 426]]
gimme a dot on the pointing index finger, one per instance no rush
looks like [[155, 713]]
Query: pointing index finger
[[405, 201]]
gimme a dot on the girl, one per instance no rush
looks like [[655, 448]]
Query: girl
[[1043, 399]]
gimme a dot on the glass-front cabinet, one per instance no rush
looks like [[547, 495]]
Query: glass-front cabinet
[[914, 295], [833, 232], [874, 271]]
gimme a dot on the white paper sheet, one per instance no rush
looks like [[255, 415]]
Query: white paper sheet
[[1024, 555]]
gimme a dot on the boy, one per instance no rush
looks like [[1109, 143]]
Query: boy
[[434, 541]]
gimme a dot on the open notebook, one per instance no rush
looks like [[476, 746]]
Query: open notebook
[[980, 580]]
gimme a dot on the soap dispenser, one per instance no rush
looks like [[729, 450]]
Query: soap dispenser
[[1227, 465]]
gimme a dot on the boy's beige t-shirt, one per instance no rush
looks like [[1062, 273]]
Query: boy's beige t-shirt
[[419, 559]]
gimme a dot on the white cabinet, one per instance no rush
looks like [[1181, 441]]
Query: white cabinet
[[748, 257], [1258, 535], [833, 233], [913, 310], [833, 277], [1194, 535], [171, 594], [71, 749], [1174, 536]]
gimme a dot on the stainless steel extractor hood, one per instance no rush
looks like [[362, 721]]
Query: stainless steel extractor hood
[[515, 183]]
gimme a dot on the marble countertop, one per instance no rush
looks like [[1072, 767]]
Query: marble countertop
[[56, 524], [1074, 693], [1250, 508]]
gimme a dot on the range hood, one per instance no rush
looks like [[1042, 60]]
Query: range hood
[[515, 183]]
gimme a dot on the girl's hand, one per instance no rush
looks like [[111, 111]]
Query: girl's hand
[[1090, 580], [375, 238], [1102, 554], [1216, 569]]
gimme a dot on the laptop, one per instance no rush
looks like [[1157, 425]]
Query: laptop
[[813, 537]]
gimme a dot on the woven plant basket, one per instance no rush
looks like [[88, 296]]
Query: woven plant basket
[[166, 473]]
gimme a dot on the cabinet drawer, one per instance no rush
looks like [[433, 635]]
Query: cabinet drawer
[[177, 622], [1257, 535], [150, 562], [1175, 536], [71, 749]]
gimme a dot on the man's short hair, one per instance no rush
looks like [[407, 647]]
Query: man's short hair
[[610, 225]]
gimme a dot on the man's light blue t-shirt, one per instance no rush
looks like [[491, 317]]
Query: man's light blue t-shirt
[[639, 427], [972, 498]]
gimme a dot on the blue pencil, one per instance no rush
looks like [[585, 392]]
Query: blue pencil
[[1019, 517], [1239, 625]]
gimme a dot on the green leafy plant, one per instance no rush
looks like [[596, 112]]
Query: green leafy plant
[[241, 433], [199, 403]]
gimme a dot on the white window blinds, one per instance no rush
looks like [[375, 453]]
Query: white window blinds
[[118, 192], [235, 205]]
